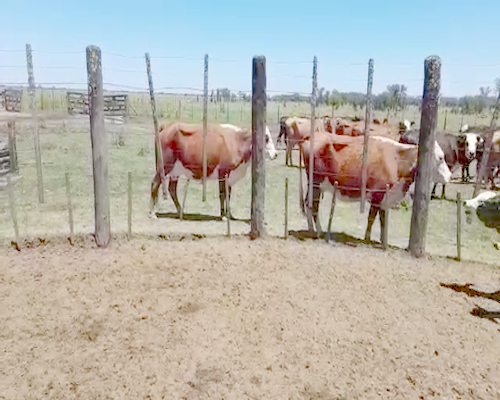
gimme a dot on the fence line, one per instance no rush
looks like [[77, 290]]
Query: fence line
[[257, 116]]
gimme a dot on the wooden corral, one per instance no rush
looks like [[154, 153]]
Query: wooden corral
[[11, 100], [114, 104]]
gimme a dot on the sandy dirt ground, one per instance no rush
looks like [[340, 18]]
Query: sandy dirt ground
[[235, 319]]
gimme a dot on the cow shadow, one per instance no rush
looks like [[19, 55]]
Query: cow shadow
[[478, 311], [336, 237], [197, 217]]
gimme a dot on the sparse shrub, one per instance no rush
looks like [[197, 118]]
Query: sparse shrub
[[118, 139]]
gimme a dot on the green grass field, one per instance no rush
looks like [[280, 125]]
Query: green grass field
[[65, 143]]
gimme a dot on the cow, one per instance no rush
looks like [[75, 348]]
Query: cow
[[486, 206], [458, 150], [228, 150], [339, 158], [493, 166], [285, 132]]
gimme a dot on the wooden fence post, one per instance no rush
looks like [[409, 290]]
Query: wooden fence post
[[158, 152], [13, 209], [286, 208], [385, 229], [332, 209], [445, 118], [228, 207], [14, 167], [368, 117], [427, 140], [70, 208], [487, 149], [99, 147], [36, 137], [459, 226], [311, 146], [129, 203], [205, 127], [259, 106]]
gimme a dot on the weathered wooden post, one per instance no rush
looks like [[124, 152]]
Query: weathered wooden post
[[129, 204], [487, 148], [14, 167], [99, 147], [36, 137], [427, 139], [385, 228], [368, 118], [311, 147], [445, 118], [13, 209], [228, 207], [70, 208], [259, 105], [459, 226], [332, 209], [205, 126], [286, 208], [158, 151]]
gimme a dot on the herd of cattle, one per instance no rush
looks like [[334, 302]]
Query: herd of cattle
[[337, 150]]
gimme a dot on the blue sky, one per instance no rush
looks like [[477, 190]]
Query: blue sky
[[343, 36]]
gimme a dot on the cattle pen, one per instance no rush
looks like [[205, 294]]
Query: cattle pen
[[58, 166]]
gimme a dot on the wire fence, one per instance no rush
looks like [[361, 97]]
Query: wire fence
[[66, 147]]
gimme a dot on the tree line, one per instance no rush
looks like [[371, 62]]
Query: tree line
[[393, 99]]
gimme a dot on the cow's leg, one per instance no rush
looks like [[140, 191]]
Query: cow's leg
[[442, 194], [383, 221], [229, 200], [155, 186], [172, 188], [464, 179], [371, 219], [434, 191], [222, 196], [289, 161]]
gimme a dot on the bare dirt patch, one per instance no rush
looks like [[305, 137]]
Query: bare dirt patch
[[235, 319]]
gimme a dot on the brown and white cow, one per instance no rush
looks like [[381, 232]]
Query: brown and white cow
[[228, 148], [339, 159], [304, 125]]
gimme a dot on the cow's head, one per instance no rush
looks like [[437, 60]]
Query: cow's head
[[441, 172], [271, 151], [470, 143]]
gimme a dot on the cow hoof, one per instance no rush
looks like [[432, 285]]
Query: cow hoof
[[153, 215], [496, 245]]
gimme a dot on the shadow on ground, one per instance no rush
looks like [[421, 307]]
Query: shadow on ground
[[337, 237], [197, 217], [478, 311]]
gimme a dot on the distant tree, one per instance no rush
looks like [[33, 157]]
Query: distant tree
[[484, 91], [321, 93]]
